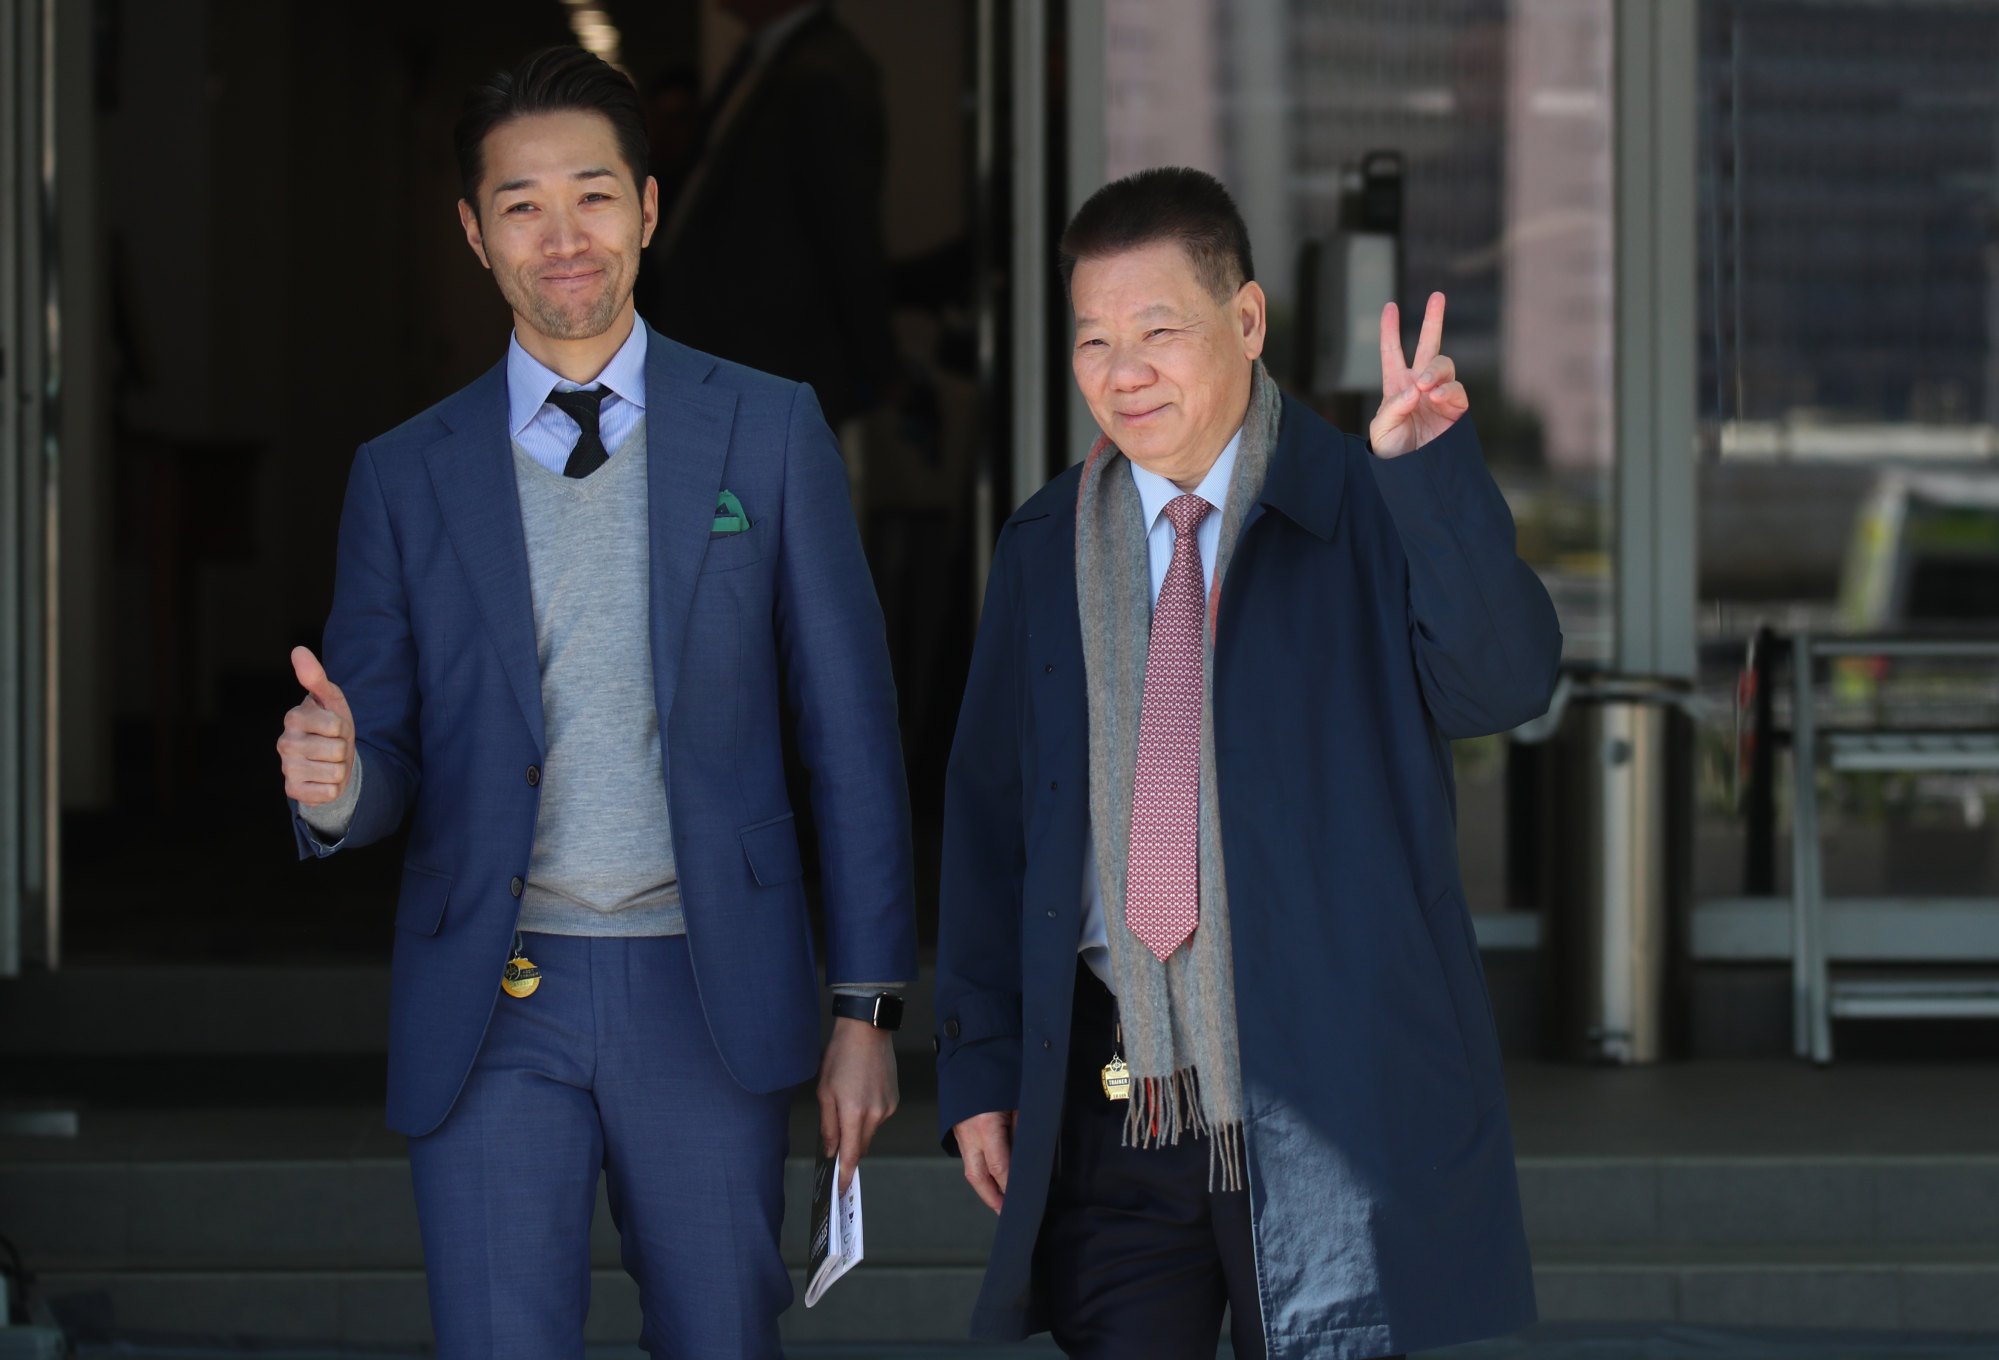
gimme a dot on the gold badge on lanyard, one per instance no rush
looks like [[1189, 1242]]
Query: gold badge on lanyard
[[520, 977], [1117, 1076]]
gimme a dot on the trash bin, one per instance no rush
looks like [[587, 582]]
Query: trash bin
[[1615, 803]]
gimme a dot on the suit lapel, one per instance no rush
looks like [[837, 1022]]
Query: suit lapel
[[688, 426], [472, 471]]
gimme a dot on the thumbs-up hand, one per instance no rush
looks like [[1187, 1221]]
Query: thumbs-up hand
[[316, 750]]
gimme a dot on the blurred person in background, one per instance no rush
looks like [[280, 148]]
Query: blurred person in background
[[780, 214], [673, 128]]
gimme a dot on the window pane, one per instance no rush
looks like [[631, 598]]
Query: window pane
[[1501, 114], [1849, 396]]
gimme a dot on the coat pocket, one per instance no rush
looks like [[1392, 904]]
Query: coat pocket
[[772, 851], [1449, 925], [726, 552], [420, 904]]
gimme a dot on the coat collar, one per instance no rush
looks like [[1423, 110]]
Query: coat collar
[[1307, 477], [688, 426], [1305, 482]]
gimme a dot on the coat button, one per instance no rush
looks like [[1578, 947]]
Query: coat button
[[1051, 913], [1048, 1043], [951, 1028], [516, 886], [1051, 786], [1049, 669], [534, 775]]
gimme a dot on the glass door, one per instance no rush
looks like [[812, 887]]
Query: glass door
[[1469, 147], [1848, 432]]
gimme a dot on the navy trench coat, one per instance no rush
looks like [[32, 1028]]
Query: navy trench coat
[[1375, 610]]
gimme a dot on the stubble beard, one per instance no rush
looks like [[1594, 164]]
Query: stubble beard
[[583, 320]]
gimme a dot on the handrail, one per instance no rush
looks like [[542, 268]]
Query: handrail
[[1966, 648], [1815, 998]]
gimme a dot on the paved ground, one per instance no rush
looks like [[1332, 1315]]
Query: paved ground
[[1553, 1343]]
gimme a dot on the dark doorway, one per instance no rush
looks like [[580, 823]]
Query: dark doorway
[[282, 277]]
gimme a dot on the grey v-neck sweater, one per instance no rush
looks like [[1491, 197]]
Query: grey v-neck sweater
[[603, 844], [602, 862]]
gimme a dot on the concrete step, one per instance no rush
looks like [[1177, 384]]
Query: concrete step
[[361, 1215], [1722, 1201], [1930, 1290], [176, 1213], [338, 1213], [887, 1304], [1937, 1292], [54, 1348], [291, 1011]]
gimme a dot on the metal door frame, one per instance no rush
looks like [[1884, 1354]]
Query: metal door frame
[[1655, 534], [30, 383]]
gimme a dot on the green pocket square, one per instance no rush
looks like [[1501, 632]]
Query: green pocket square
[[729, 516]]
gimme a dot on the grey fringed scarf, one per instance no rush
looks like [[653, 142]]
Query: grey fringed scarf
[[1178, 1016]]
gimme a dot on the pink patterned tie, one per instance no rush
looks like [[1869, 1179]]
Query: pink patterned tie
[[1162, 902]]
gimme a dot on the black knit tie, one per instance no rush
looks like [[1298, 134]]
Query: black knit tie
[[581, 407]]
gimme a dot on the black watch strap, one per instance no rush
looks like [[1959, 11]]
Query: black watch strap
[[883, 1011]]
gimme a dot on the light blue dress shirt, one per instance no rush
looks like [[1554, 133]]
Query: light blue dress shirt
[[1154, 491], [546, 432]]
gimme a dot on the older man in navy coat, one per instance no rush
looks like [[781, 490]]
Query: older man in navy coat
[[1212, 1031]]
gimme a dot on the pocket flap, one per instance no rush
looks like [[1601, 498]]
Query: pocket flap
[[729, 550], [420, 905], [772, 850]]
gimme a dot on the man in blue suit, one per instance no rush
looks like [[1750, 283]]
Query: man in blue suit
[[576, 606], [1212, 1032]]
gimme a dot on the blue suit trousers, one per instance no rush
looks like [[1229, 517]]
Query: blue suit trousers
[[608, 1067]]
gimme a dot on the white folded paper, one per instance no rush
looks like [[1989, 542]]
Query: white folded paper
[[836, 1229]]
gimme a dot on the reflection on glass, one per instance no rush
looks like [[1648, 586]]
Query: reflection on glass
[[1847, 229], [1501, 113], [1849, 392]]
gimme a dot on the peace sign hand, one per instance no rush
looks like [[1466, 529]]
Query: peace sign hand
[[1420, 401]]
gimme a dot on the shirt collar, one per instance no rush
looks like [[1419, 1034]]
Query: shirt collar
[[529, 380], [1154, 490]]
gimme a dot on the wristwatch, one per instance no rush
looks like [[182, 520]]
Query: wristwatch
[[883, 1011]]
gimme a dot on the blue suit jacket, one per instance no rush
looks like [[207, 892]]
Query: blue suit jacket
[[1374, 610], [432, 639]]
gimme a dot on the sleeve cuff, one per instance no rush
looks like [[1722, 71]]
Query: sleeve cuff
[[865, 989], [1420, 481], [329, 821]]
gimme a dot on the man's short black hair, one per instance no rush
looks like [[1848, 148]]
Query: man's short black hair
[[1167, 203], [553, 80]]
